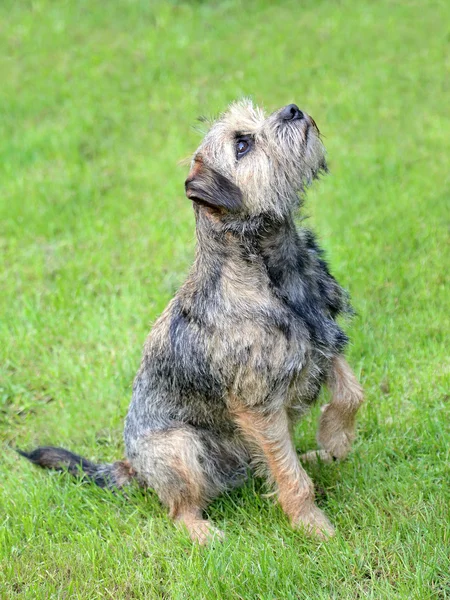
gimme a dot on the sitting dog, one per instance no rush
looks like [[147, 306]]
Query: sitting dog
[[243, 348]]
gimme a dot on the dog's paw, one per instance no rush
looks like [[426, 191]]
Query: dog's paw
[[203, 532], [315, 524], [336, 432]]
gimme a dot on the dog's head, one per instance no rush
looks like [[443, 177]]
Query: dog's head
[[250, 164]]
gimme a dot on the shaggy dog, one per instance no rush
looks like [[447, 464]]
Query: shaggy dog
[[242, 350]]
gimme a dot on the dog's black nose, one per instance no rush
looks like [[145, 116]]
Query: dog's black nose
[[291, 113]]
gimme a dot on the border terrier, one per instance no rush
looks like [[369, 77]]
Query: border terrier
[[242, 350]]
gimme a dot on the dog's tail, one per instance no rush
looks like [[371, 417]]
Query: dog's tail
[[113, 475]]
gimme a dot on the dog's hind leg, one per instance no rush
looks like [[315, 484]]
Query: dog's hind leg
[[185, 471], [337, 420]]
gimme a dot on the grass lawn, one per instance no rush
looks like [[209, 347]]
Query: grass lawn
[[97, 103]]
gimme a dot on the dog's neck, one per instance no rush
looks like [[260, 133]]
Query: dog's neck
[[263, 242], [219, 232]]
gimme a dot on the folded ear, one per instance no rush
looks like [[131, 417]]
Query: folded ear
[[206, 186]]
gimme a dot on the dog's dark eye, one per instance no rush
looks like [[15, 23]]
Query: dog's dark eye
[[242, 147]]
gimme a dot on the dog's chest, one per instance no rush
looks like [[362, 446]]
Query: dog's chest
[[259, 345]]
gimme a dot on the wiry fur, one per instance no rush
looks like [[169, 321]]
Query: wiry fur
[[114, 475], [244, 347]]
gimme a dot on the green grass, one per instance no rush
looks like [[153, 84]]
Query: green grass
[[97, 102]]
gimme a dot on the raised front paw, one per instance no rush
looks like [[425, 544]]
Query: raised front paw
[[336, 431]]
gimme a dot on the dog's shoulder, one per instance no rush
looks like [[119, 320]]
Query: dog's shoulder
[[300, 276], [335, 297]]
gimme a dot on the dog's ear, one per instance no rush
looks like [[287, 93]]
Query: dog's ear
[[206, 186]]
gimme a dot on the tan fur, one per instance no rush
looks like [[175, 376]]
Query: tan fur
[[123, 472], [337, 421], [180, 452], [200, 530], [270, 433]]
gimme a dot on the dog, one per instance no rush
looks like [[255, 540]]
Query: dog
[[243, 349]]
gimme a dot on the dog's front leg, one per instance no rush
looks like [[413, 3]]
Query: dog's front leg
[[269, 433], [337, 420]]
